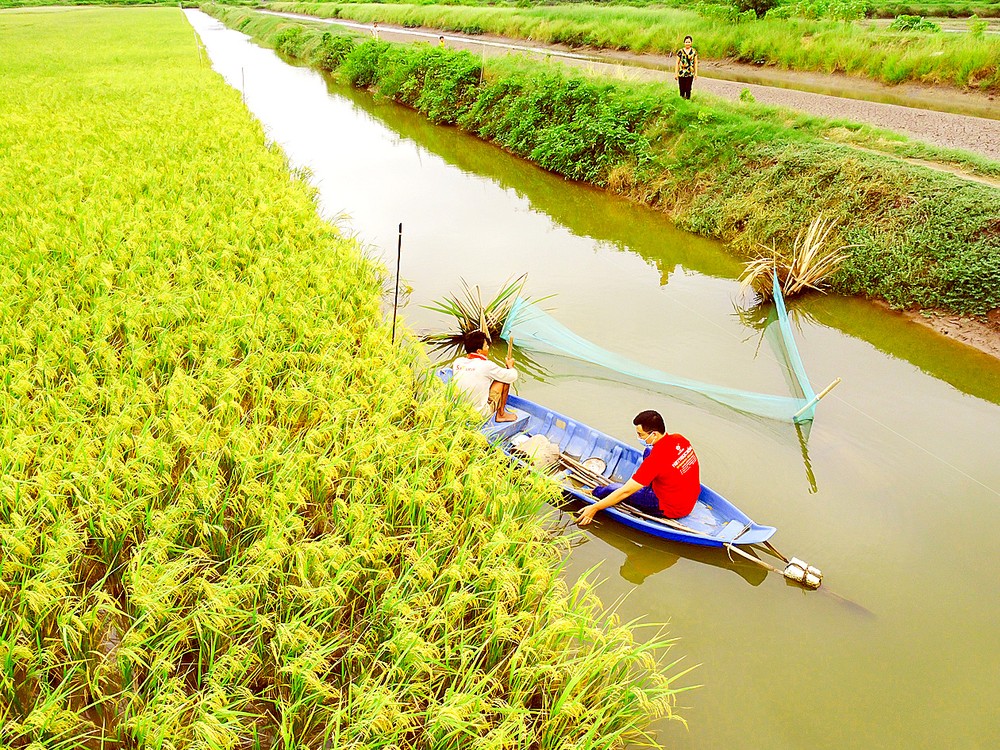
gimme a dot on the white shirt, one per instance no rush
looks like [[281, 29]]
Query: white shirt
[[474, 374]]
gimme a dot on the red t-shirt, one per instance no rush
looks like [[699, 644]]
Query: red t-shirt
[[671, 468]]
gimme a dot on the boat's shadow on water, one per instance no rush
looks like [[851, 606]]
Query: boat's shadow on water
[[646, 556]]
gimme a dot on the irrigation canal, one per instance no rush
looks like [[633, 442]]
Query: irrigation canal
[[894, 492]]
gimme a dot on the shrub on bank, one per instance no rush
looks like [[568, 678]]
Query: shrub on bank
[[914, 23], [742, 175]]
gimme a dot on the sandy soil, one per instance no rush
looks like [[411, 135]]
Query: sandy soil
[[982, 334]]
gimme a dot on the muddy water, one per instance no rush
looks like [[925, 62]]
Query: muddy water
[[894, 492]]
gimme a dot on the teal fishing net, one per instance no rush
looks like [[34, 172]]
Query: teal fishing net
[[536, 330]]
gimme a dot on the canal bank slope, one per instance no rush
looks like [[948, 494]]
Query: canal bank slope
[[939, 115], [749, 175], [720, 33]]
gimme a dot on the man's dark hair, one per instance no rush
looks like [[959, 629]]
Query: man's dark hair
[[474, 341], [650, 421]]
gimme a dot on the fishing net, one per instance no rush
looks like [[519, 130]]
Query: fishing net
[[536, 330]]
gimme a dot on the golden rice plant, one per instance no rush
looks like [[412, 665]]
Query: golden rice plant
[[231, 515], [806, 265]]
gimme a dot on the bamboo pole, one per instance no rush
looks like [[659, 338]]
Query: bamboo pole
[[751, 558], [815, 399], [482, 314], [672, 524], [395, 298], [774, 550]]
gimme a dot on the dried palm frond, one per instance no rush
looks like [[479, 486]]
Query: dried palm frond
[[806, 266]]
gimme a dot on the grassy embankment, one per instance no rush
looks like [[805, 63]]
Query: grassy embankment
[[231, 514], [68, 3], [739, 172], [891, 57], [936, 8], [871, 8], [876, 9]]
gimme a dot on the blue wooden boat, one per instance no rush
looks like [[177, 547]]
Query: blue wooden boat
[[714, 522]]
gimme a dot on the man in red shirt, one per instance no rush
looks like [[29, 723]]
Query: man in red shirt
[[667, 482]]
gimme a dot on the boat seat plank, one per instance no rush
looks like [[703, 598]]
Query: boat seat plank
[[730, 531]]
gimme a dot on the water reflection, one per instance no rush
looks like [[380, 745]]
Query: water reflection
[[620, 224], [647, 556]]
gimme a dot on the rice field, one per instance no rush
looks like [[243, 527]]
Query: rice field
[[232, 513], [961, 60]]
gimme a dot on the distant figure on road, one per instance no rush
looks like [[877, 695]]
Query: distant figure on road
[[686, 69], [441, 43], [375, 31]]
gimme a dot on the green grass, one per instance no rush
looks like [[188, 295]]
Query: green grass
[[798, 44], [68, 3], [744, 173], [937, 8], [233, 515], [872, 8]]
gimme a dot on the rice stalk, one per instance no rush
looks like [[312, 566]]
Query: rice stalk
[[231, 516], [470, 314]]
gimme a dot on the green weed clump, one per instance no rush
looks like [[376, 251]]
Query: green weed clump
[[914, 23], [232, 514], [828, 46], [747, 174]]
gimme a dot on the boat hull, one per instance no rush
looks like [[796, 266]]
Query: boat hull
[[714, 522]]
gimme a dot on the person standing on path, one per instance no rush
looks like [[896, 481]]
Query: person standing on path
[[686, 69], [375, 35]]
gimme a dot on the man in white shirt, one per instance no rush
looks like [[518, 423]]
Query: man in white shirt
[[485, 383]]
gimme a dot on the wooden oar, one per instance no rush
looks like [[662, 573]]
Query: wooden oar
[[631, 509]]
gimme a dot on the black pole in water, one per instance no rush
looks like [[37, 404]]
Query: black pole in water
[[395, 301]]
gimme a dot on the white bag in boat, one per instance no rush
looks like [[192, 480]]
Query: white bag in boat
[[539, 450]]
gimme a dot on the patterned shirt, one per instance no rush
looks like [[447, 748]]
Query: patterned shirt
[[687, 61]]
